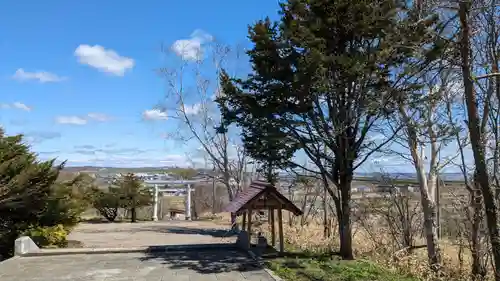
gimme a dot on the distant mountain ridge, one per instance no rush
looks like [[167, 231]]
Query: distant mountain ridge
[[93, 169], [444, 176]]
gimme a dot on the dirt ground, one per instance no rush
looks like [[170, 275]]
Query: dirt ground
[[123, 235]]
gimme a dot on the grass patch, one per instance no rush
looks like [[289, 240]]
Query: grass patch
[[324, 268]]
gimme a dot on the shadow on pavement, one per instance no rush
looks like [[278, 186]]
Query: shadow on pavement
[[217, 233], [206, 261]]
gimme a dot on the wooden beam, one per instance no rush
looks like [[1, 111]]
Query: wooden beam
[[280, 225], [273, 230], [249, 228], [267, 205], [244, 221]]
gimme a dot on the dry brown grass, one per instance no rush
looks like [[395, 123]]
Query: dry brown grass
[[377, 248]]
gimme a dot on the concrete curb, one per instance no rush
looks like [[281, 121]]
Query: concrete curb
[[148, 249], [262, 264], [9, 260]]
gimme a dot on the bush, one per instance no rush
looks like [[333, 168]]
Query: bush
[[133, 194], [33, 202], [107, 203], [65, 205], [48, 236], [128, 193]]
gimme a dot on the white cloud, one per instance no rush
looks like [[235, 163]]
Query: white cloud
[[154, 114], [22, 106], [105, 60], [101, 117], [41, 76], [16, 105], [71, 120], [192, 49], [192, 109], [153, 158]]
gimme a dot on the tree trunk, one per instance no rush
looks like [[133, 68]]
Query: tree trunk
[[326, 232], [227, 178], [344, 218], [478, 269], [290, 215], [431, 235], [133, 214], [476, 138], [427, 187], [213, 196], [405, 218]]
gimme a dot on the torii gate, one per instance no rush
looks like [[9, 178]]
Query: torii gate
[[160, 186]]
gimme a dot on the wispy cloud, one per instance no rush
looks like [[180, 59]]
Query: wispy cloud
[[18, 122], [22, 106], [40, 136], [192, 49], [105, 160], [154, 114], [106, 155], [91, 150], [105, 60], [192, 109], [101, 117], [16, 105], [40, 76], [71, 120], [83, 120]]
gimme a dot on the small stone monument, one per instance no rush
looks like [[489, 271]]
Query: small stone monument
[[24, 245], [261, 241], [242, 241]]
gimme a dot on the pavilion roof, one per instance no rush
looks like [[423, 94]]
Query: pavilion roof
[[258, 190]]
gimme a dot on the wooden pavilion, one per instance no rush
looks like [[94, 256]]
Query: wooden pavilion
[[259, 196]]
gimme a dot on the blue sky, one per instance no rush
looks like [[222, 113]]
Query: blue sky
[[78, 77]]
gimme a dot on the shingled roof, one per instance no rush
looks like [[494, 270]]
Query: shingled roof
[[256, 191]]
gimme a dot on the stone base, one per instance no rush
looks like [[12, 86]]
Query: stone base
[[24, 245], [243, 240]]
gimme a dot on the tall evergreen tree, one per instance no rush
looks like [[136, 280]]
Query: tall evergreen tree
[[133, 194], [324, 77], [25, 187]]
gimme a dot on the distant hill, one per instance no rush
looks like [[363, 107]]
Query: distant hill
[[92, 169], [117, 170], [401, 176]]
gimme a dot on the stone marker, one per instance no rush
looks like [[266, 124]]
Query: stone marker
[[24, 245]]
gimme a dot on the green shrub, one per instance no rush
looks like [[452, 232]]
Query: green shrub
[[133, 194], [107, 203], [48, 236], [66, 203], [128, 192]]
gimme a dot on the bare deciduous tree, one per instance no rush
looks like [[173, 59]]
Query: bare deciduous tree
[[425, 124], [197, 115], [477, 118]]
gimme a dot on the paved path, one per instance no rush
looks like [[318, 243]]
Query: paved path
[[125, 235], [221, 265]]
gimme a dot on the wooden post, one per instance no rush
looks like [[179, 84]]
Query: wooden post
[[244, 221], [280, 225], [249, 227], [273, 230]]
